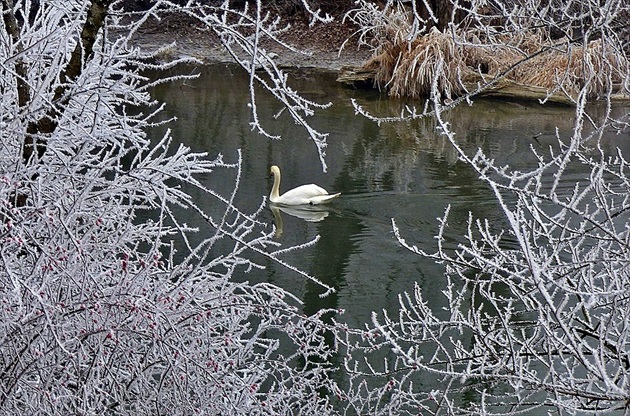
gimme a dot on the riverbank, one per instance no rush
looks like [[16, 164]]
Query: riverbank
[[332, 46], [321, 46]]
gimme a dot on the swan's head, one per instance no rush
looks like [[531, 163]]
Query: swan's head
[[275, 171]]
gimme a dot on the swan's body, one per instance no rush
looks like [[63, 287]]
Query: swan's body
[[302, 195]]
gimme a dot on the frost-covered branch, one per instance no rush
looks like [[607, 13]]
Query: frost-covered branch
[[551, 51], [536, 311], [533, 311], [107, 306], [242, 32]]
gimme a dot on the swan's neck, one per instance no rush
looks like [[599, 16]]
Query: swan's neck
[[275, 190]]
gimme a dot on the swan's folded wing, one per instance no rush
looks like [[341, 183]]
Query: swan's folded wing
[[306, 191], [321, 199], [305, 195]]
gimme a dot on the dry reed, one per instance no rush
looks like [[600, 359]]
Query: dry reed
[[410, 68], [576, 66]]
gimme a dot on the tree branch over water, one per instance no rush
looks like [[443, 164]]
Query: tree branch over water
[[108, 305], [101, 309]]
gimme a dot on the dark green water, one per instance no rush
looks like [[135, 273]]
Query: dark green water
[[405, 171]]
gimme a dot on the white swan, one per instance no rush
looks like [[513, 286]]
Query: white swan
[[302, 195]]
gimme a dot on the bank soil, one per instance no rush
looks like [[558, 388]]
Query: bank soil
[[321, 46], [332, 46]]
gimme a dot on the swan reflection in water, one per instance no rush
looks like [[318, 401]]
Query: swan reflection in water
[[307, 213]]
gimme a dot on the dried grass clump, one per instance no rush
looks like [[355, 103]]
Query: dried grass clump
[[562, 66], [574, 67], [496, 55], [409, 68]]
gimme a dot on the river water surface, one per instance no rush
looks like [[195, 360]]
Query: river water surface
[[404, 171]]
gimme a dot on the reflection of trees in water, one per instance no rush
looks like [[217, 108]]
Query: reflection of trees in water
[[208, 115], [386, 156], [385, 160]]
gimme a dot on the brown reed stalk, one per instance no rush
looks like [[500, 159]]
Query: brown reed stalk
[[410, 67]]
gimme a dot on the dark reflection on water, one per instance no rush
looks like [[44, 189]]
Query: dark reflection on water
[[406, 171]]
